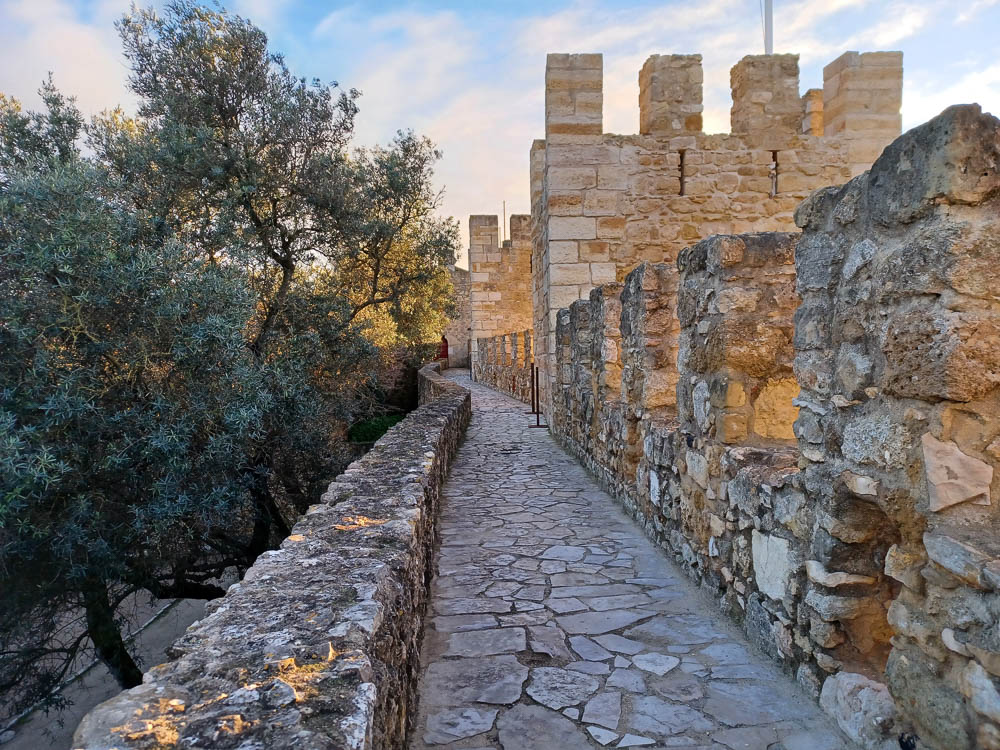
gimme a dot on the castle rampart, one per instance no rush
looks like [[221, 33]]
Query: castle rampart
[[317, 646], [809, 423]]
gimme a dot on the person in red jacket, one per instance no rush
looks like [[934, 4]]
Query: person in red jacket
[[443, 353]]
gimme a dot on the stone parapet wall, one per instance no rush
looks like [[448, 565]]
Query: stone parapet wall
[[809, 423], [505, 363], [317, 646], [898, 356]]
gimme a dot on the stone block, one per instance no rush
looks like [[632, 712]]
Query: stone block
[[936, 708], [571, 178], [774, 563], [863, 709], [572, 228], [952, 476], [569, 273]]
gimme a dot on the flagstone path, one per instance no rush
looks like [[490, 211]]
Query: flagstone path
[[556, 624]]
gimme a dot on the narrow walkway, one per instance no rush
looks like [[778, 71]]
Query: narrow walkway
[[557, 624]]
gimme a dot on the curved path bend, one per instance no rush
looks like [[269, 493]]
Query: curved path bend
[[556, 623]]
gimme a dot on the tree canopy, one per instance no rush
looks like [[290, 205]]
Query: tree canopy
[[191, 314]]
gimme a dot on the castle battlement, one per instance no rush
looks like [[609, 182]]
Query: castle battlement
[[603, 203]]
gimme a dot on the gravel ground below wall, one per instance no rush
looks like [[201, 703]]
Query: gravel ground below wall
[[317, 647]]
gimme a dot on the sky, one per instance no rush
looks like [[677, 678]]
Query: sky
[[470, 74]]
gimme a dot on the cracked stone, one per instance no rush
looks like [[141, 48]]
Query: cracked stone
[[564, 553], [565, 606], [537, 728], [486, 642], [657, 716], [589, 667], [634, 740], [628, 679], [548, 639], [622, 645], [658, 664], [470, 606], [587, 649], [461, 623], [596, 623], [559, 688], [604, 709], [458, 723], [491, 679], [602, 735]]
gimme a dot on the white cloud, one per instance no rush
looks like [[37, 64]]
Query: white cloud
[[902, 21], [924, 98], [974, 9], [38, 36]]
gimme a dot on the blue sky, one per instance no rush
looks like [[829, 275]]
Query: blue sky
[[470, 74]]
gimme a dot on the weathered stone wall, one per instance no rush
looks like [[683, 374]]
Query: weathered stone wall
[[459, 328], [500, 277], [826, 461], [504, 363], [317, 646], [898, 356], [602, 204]]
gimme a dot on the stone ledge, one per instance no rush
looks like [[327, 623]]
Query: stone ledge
[[317, 647]]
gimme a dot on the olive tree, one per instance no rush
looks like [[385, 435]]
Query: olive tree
[[191, 312]]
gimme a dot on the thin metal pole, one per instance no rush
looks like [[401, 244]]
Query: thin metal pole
[[768, 27], [538, 412], [538, 401]]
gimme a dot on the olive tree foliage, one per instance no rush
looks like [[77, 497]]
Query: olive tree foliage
[[129, 401], [190, 316]]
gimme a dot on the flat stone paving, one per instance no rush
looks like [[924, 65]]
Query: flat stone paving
[[555, 623]]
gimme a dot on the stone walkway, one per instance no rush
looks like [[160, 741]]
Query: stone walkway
[[557, 624]]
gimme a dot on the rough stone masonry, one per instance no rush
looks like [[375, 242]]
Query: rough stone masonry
[[603, 203], [827, 467], [317, 647]]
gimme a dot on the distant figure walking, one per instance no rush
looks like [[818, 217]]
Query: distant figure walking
[[442, 355]]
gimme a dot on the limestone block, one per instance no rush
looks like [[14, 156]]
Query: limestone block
[[863, 709], [571, 178], [980, 689], [936, 709], [875, 440], [572, 228], [773, 563], [942, 354], [819, 574], [860, 484], [774, 410], [960, 556], [732, 428], [831, 608], [952, 476], [904, 565], [697, 466], [984, 645], [564, 251]]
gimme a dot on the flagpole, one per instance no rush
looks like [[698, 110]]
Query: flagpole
[[768, 28]]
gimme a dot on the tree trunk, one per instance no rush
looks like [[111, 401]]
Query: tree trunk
[[107, 638]]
